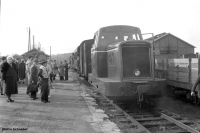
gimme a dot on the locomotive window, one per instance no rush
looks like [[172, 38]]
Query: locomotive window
[[134, 37], [138, 37], [95, 38]]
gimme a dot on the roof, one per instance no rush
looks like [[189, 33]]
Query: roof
[[161, 35], [34, 51], [116, 28]]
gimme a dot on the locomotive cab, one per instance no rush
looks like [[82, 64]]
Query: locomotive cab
[[104, 37]]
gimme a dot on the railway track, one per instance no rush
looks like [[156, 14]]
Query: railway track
[[131, 118]]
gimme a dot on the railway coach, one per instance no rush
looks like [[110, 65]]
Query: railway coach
[[122, 64]]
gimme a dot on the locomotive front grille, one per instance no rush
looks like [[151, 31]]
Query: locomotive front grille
[[136, 62]]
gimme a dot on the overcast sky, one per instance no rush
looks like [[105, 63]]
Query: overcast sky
[[64, 24]]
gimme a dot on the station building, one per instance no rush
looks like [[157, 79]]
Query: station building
[[170, 46], [35, 53]]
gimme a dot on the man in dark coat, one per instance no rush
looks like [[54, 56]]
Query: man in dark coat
[[66, 70], [34, 76], [22, 70], [17, 66], [9, 77], [43, 74]]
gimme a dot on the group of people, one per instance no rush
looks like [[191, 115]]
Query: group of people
[[39, 73], [59, 69]]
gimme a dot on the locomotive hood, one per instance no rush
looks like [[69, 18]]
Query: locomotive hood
[[134, 60]]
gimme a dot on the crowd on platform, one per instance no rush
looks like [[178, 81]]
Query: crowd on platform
[[36, 73]]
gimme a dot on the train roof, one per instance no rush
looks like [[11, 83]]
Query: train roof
[[116, 28], [87, 41]]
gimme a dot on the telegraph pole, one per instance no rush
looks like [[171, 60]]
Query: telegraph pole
[[29, 39], [33, 42]]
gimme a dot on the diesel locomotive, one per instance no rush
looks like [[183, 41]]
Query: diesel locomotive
[[119, 63]]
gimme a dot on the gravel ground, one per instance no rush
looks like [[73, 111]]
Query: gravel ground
[[66, 113], [181, 108]]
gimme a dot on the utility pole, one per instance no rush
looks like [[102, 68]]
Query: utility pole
[[29, 39], [33, 42]]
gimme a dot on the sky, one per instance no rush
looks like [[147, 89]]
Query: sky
[[64, 24]]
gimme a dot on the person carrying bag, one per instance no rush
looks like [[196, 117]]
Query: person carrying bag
[[33, 86]]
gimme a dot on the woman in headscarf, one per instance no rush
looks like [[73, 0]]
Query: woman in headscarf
[[9, 77]]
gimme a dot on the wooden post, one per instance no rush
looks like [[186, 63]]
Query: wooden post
[[163, 69], [190, 73], [167, 74], [198, 88]]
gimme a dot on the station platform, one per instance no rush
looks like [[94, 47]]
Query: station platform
[[67, 111]]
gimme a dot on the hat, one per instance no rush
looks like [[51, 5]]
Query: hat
[[3, 58], [35, 60], [42, 61]]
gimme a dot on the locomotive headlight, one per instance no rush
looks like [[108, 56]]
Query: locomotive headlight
[[137, 72]]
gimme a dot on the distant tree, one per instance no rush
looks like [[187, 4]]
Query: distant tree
[[17, 56], [61, 57]]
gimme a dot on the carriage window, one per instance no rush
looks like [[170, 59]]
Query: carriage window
[[125, 38]]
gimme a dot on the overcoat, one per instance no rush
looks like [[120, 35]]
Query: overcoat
[[66, 71], [34, 73], [61, 70], [22, 70], [9, 74]]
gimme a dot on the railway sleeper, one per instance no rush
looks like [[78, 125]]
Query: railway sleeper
[[119, 115], [188, 123], [177, 118], [150, 125], [125, 121], [144, 116], [150, 119]]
